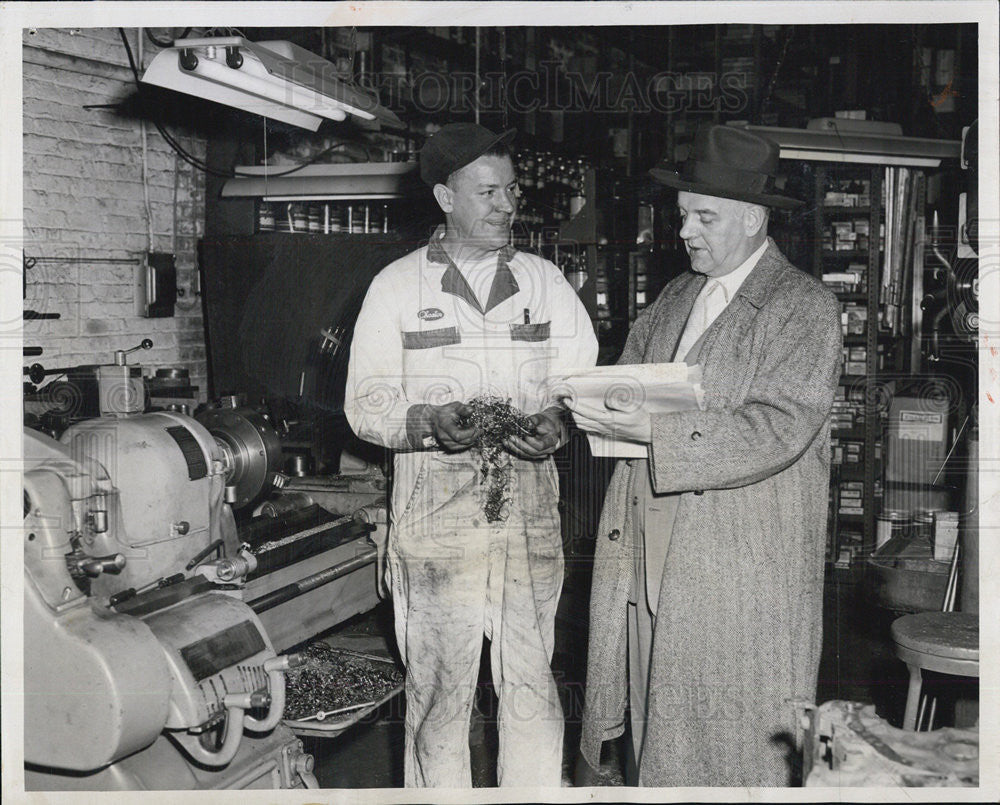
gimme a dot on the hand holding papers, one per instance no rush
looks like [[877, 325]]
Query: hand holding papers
[[613, 403]]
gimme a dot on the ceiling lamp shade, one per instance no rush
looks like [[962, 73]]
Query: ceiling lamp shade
[[275, 79]]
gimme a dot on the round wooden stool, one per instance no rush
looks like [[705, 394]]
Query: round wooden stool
[[946, 642]]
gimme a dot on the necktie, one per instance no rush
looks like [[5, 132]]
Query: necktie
[[709, 303]]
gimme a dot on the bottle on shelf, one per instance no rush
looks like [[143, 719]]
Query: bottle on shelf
[[265, 217], [315, 219], [374, 219], [576, 272], [577, 197], [337, 216]]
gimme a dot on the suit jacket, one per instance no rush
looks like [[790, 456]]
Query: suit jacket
[[739, 616]]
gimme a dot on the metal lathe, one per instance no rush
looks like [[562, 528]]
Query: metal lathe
[[154, 625]]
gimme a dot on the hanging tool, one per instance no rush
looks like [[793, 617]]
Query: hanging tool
[[31, 315]]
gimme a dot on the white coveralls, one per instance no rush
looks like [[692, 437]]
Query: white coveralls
[[423, 337]]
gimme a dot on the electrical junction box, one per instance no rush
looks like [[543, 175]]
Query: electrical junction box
[[156, 286]]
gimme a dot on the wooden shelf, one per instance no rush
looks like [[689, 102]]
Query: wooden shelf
[[852, 471], [837, 210], [853, 254], [358, 237], [860, 340], [856, 433]]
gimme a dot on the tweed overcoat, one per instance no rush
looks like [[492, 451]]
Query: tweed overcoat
[[737, 637]]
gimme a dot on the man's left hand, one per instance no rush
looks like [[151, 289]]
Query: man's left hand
[[550, 433], [632, 426]]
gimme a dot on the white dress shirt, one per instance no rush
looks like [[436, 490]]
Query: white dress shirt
[[712, 300]]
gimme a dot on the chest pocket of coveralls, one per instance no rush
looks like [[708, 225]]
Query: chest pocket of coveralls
[[425, 371], [530, 332], [428, 339]]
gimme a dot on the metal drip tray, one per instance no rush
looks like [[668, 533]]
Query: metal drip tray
[[903, 576], [337, 688]]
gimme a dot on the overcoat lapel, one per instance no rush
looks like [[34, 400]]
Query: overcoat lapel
[[672, 320]]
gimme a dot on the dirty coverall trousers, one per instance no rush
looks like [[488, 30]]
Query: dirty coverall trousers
[[455, 577]]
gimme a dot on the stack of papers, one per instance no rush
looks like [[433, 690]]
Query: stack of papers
[[655, 388]]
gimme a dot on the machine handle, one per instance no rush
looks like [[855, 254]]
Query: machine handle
[[203, 553], [94, 566], [120, 354], [237, 705], [275, 669], [37, 373], [230, 744]]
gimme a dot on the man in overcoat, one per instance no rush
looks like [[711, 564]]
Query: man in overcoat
[[708, 571]]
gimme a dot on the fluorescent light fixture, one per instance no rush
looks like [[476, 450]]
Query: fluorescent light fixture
[[275, 79], [360, 180], [856, 158], [853, 146]]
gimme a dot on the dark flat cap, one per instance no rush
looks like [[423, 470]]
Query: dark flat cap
[[454, 147]]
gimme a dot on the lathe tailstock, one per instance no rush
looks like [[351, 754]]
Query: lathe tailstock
[[154, 622]]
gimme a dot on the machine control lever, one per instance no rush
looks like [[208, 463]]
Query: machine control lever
[[131, 592], [203, 553], [121, 353], [94, 566]]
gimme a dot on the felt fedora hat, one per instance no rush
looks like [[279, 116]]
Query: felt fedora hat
[[729, 163], [454, 146]]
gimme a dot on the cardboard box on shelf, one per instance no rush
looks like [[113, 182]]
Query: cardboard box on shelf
[[945, 535], [916, 448]]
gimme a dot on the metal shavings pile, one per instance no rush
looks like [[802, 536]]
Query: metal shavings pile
[[330, 679], [496, 419]]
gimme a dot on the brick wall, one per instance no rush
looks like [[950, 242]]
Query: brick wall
[[84, 204]]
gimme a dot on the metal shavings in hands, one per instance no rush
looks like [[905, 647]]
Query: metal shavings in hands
[[497, 420]]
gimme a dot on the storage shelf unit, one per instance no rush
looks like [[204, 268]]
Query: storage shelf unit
[[876, 159]]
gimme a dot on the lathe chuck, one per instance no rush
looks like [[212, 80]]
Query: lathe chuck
[[251, 450]]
